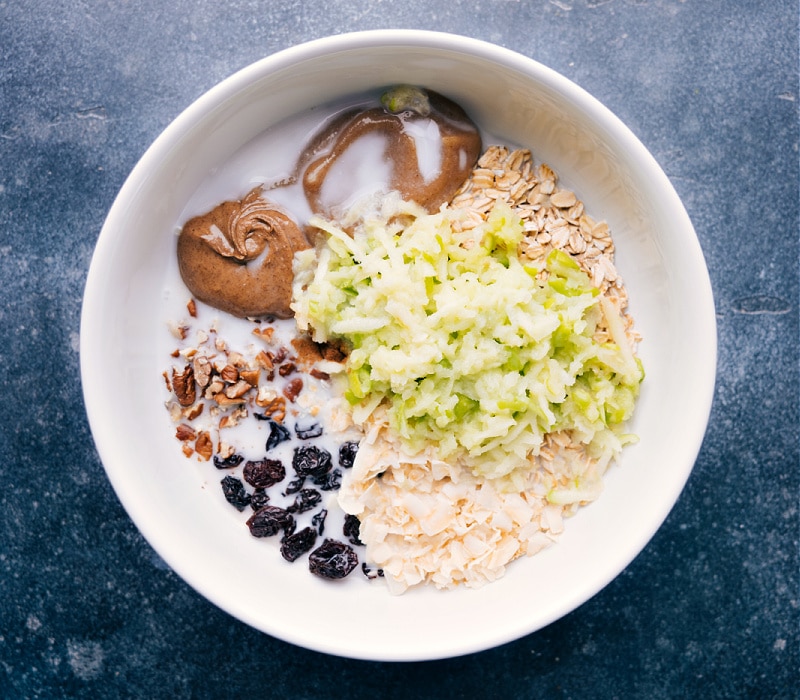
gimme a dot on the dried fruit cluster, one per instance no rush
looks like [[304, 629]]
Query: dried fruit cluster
[[333, 559]]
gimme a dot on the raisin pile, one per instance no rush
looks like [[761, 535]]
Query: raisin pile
[[314, 472]]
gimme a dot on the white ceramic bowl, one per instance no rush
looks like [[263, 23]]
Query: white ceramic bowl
[[511, 96]]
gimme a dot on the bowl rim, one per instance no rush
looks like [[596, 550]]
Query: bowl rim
[[225, 90]]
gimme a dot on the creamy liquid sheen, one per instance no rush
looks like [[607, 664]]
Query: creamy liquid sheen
[[359, 172], [270, 161], [428, 142]]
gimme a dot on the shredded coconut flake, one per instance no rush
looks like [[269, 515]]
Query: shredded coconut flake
[[424, 520]]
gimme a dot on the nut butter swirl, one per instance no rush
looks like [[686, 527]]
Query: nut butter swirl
[[238, 257]]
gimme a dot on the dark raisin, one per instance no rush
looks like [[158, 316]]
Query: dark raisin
[[259, 499], [277, 434], [306, 431], [330, 481], [263, 473], [289, 529], [269, 521], [305, 500], [228, 462], [298, 543], [235, 492], [352, 529], [318, 521], [347, 454], [294, 485], [332, 560], [312, 461]]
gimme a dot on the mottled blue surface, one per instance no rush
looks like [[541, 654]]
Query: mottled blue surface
[[710, 607]]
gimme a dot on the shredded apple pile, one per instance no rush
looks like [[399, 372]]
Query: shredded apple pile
[[492, 392]]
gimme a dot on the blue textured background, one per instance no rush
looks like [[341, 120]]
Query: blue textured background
[[709, 609]]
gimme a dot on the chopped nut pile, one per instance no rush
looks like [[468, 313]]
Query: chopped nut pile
[[227, 385]]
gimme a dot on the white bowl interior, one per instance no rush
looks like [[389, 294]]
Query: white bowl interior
[[183, 517]]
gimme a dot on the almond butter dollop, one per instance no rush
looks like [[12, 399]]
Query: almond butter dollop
[[238, 257], [405, 111]]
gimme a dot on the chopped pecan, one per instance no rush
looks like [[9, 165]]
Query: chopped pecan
[[185, 432], [274, 406], [231, 420], [293, 388], [191, 412], [237, 360], [238, 390], [265, 395], [214, 388], [202, 370], [333, 353], [229, 374], [308, 352], [225, 452], [250, 376], [225, 401], [175, 411], [264, 360], [227, 421], [179, 331], [184, 386], [203, 445], [192, 307], [264, 333], [278, 414], [286, 369]]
